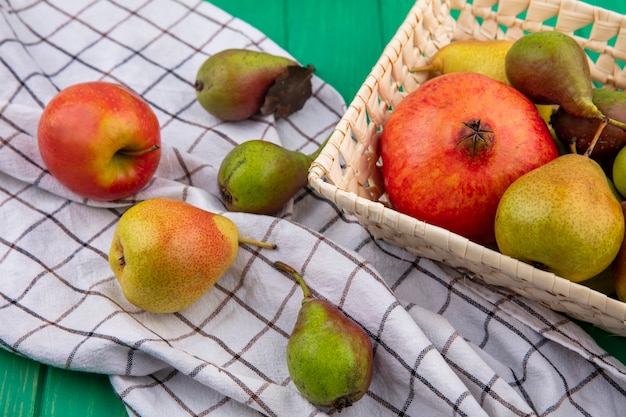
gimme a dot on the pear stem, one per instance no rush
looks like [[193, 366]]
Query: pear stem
[[423, 68], [265, 245], [281, 266], [616, 123], [315, 154], [140, 152], [593, 142], [572, 147]]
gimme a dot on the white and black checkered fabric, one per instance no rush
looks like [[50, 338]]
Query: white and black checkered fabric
[[444, 344]]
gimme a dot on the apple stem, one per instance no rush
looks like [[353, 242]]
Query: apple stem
[[265, 245], [139, 152], [593, 142], [281, 266]]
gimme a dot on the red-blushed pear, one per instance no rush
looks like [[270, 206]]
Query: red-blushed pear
[[451, 148], [100, 139], [563, 217], [235, 84], [167, 253], [329, 356]]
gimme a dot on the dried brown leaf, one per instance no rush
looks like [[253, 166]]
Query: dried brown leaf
[[289, 92]]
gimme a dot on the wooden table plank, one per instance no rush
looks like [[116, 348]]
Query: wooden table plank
[[72, 394], [269, 18], [342, 39], [19, 383], [307, 23], [28, 388]]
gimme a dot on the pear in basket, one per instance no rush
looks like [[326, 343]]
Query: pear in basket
[[562, 217], [577, 133], [618, 269], [552, 68], [618, 174], [329, 356], [167, 253], [484, 57]]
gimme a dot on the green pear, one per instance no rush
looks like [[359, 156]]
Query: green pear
[[618, 171], [260, 177], [167, 253], [550, 67], [329, 356], [618, 269], [562, 217], [232, 83]]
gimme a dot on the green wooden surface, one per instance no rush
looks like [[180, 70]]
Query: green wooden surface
[[343, 39]]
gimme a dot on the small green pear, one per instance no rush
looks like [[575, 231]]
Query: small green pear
[[232, 84], [167, 253], [329, 356], [260, 177], [562, 217], [618, 171]]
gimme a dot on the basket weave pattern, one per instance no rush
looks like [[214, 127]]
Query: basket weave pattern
[[347, 171]]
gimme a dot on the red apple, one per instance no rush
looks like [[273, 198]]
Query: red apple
[[451, 148], [100, 139]]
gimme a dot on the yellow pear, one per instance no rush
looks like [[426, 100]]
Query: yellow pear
[[486, 57], [167, 253], [562, 217]]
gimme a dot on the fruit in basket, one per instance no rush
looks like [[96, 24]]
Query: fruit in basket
[[562, 217], [618, 171], [329, 356], [167, 253], [618, 269], [577, 133], [485, 57], [552, 68], [451, 148], [260, 177], [100, 139], [234, 84], [613, 188]]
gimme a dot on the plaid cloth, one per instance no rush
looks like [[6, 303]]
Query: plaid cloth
[[444, 344]]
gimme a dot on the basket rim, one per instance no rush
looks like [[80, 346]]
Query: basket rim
[[543, 280], [380, 214]]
